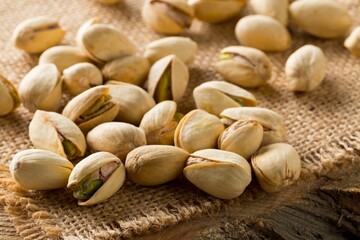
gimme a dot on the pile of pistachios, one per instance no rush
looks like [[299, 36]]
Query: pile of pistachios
[[122, 121]]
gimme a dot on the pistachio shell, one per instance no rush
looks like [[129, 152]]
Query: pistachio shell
[[215, 96], [219, 173], [155, 164], [41, 88], [9, 97], [277, 9], [352, 42], [37, 34], [40, 170]]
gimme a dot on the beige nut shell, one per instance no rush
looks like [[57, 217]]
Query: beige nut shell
[[277, 9], [9, 97], [352, 42]]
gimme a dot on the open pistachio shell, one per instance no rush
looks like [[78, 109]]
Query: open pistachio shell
[[9, 97], [277, 9]]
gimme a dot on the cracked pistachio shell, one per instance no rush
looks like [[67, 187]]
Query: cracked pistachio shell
[[243, 137], [272, 122], [198, 130], [63, 56], [321, 18], [305, 69], [155, 164], [133, 101], [102, 42], [160, 122], [277, 9], [168, 79], [9, 97], [262, 32], [37, 169], [54, 132], [91, 108], [93, 163], [130, 69], [276, 166], [215, 11], [81, 77], [167, 16], [215, 96], [116, 138], [184, 48], [37, 34], [352, 42], [244, 66], [221, 174], [41, 88]]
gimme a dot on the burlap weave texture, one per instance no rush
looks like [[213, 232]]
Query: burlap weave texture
[[322, 125]]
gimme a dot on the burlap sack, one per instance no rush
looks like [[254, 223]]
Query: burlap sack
[[322, 125]]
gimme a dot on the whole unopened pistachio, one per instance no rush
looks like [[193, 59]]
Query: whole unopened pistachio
[[160, 122], [215, 11], [37, 34], [262, 32], [272, 122], [130, 69], [96, 178], [219, 173], [116, 138], [9, 97], [37, 169], [63, 56], [41, 88], [54, 132], [80, 77], [198, 130], [215, 96], [243, 137], [305, 69], [168, 79], [91, 108], [155, 164], [352, 42], [244, 66], [321, 18], [276, 166], [133, 101], [167, 16], [277, 9], [184, 48]]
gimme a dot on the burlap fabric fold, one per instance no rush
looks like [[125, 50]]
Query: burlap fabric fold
[[322, 125]]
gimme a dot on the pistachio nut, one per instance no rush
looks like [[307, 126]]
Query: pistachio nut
[[37, 169], [244, 66], [96, 178], [91, 108], [155, 164], [272, 122], [109, 2], [277, 9], [37, 34], [262, 32], [168, 79], [133, 101], [198, 130], [215, 11], [116, 138], [243, 137], [305, 69], [41, 88], [63, 56], [352, 42], [221, 174], [9, 97], [321, 18], [276, 166], [160, 122], [80, 77], [54, 132], [215, 96], [167, 16], [184, 48], [130, 69]]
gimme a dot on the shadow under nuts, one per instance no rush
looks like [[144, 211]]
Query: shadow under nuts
[[9, 97]]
